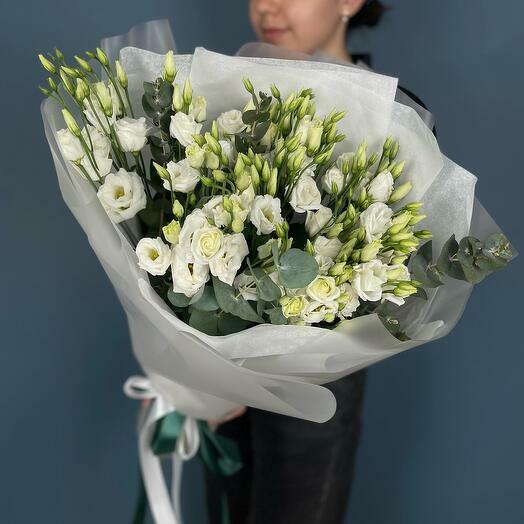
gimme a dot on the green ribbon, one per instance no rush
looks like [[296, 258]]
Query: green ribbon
[[220, 454]]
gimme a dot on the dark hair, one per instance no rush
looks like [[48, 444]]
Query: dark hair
[[370, 14]]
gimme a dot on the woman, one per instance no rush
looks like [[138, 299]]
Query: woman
[[297, 472]]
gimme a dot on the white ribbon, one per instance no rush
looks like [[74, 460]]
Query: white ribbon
[[165, 509]]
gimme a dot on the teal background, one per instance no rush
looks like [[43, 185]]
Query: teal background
[[443, 427]]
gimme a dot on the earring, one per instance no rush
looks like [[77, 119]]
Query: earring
[[345, 19]]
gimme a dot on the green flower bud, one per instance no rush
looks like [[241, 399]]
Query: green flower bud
[[237, 225], [121, 75], [400, 192], [401, 236], [248, 85], [169, 71], [335, 230], [387, 144], [239, 166], [206, 181], [399, 259], [102, 57], [410, 243], [292, 143], [59, 54], [424, 234], [266, 171], [393, 151], [84, 64], [104, 96], [52, 84], [323, 157], [47, 64], [227, 204], [397, 169], [214, 130], [413, 206], [372, 159], [199, 140], [195, 155], [255, 177], [178, 209], [416, 219], [274, 91], [71, 122], [172, 231], [192, 199], [243, 181], [213, 143], [302, 109], [337, 269], [187, 93], [66, 82], [310, 250], [45, 91], [370, 251], [178, 100], [163, 173], [219, 175]]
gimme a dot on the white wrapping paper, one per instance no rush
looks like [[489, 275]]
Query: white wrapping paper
[[277, 368]]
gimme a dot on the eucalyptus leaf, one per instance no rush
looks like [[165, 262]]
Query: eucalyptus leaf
[[261, 130], [447, 261], [296, 268], [423, 268], [178, 299], [231, 303], [276, 316], [469, 248], [204, 321], [249, 117], [207, 300], [266, 289], [228, 323]]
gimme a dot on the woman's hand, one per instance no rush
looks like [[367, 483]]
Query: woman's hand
[[237, 412]]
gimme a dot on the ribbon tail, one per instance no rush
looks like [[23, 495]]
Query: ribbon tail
[[177, 467]]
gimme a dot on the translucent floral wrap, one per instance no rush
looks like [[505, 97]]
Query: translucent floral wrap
[[271, 367]]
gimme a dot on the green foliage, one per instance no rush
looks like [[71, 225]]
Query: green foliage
[[235, 304], [296, 268]]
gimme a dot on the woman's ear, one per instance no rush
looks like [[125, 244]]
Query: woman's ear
[[349, 8]]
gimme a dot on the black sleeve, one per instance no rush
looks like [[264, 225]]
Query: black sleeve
[[418, 101]]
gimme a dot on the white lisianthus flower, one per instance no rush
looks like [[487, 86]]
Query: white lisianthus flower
[[361, 185], [183, 177], [343, 158], [323, 289], [293, 306], [118, 110], [246, 285], [198, 108], [101, 144], [214, 209], [122, 195], [131, 133], [368, 280], [333, 176], [230, 122], [93, 110], [183, 127], [228, 150], [195, 155], [305, 196], [188, 276], [172, 231], [352, 303], [315, 311], [328, 247], [265, 213], [206, 244], [103, 167], [193, 222], [310, 132], [153, 255], [264, 251], [316, 220], [70, 145], [226, 265], [391, 297], [324, 263], [376, 220], [381, 187]]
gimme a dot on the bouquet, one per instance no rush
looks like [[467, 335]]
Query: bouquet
[[268, 225]]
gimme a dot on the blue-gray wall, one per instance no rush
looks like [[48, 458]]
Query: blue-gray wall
[[443, 428]]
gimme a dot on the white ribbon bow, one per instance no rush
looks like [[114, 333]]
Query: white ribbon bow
[[165, 509]]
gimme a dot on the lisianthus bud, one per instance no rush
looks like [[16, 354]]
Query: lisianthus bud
[[121, 75], [192, 199], [399, 259], [69, 71], [162, 171], [172, 231], [104, 97], [369, 252], [337, 269], [178, 100], [169, 72], [335, 230], [416, 219], [310, 250], [400, 192], [397, 169], [274, 91], [401, 236], [84, 64], [393, 151], [52, 84], [243, 181], [187, 93], [424, 234], [47, 64], [248, 85], [102, 57], [413, 206], [71, 122], [237, 225], [66, 82], [239, 166], [206, 181], [219, 175]]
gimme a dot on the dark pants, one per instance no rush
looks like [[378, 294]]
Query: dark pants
[[295, 472]]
